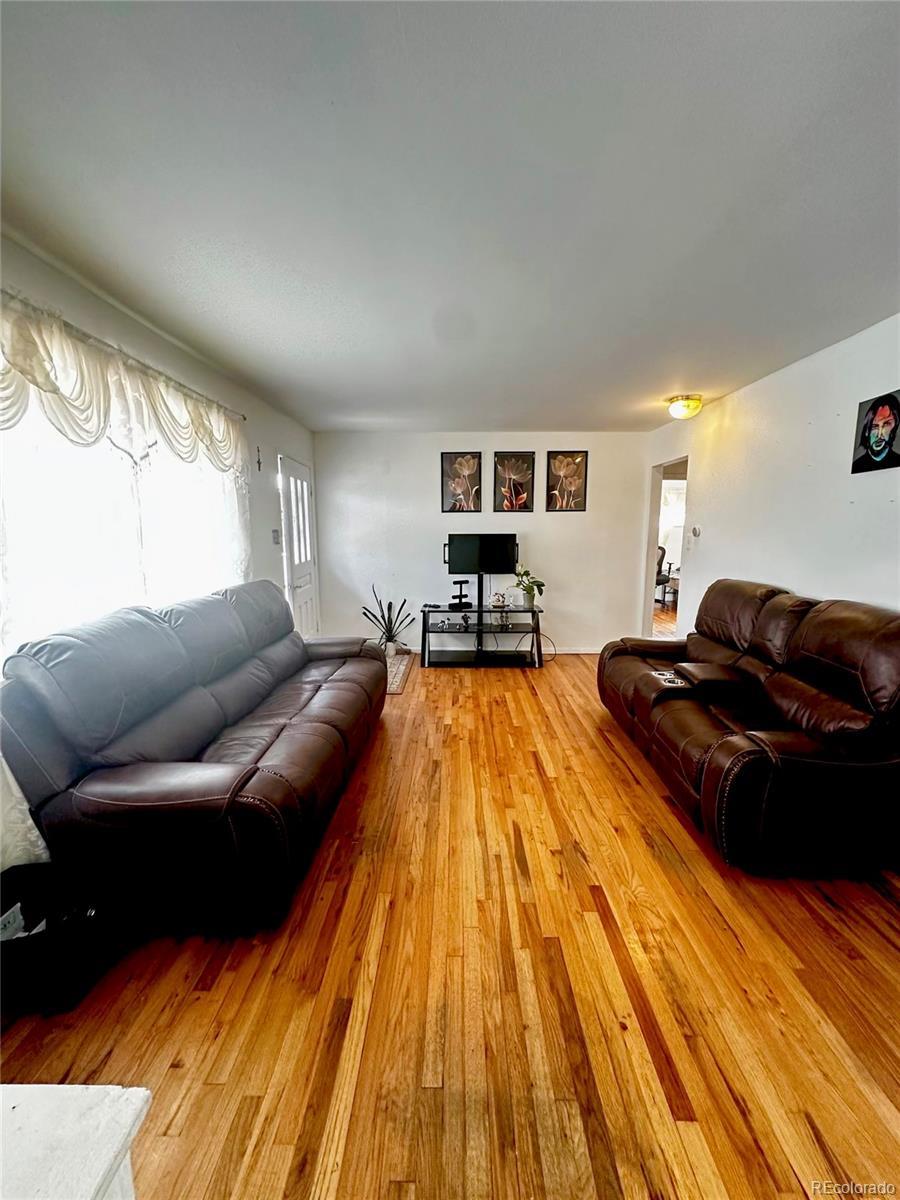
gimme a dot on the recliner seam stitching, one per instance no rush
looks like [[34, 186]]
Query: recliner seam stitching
[[78, 795]]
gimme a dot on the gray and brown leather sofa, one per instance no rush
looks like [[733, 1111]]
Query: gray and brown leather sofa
[[186, 761], [776, 725]]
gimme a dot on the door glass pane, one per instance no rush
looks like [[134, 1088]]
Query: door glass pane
[[294, 522], [307, 547]]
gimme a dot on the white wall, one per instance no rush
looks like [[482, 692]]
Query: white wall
[[267, 428], [769, 483], [380, 521]]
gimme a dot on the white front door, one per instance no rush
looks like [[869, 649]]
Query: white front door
[[298, 532]]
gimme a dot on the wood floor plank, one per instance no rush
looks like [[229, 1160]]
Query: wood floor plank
[[514, 971], [337, 1125]]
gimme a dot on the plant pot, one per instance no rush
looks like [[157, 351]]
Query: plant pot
[[390, 649], [527, 600]]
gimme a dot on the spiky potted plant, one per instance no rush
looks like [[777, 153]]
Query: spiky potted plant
[[528, 584], [389, 622]]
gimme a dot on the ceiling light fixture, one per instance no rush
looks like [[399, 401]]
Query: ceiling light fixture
[[682, 408]]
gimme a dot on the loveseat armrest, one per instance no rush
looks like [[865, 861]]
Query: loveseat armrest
[[342, 647], [779, 801], [704, 674], [656, 647], [668, 649]]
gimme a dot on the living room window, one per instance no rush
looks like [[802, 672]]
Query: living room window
[[125, 520]]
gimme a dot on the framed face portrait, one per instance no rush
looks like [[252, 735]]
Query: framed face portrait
[[567, 480], [514, 481], [461, 481], [877, 428]]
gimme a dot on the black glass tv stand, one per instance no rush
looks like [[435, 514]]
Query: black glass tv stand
[[486, 628]]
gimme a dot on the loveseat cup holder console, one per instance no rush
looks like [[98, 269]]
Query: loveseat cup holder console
[[670, 679]]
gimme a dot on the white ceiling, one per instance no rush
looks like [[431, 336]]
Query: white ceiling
[[439, 216]]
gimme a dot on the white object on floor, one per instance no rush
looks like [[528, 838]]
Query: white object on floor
[[20, 841], [71, 1142]]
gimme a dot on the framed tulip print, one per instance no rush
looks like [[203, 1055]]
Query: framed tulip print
[[461, 481], [567, 480], [514, 481]]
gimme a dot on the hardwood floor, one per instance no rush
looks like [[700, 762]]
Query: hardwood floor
[[513, 972], [664, 620]]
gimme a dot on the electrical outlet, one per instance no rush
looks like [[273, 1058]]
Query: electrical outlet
[[276, 537]]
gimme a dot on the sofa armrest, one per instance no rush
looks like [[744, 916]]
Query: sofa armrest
[[342, 647], [779, 800], [207, 842], [126, 794], [147, 797]]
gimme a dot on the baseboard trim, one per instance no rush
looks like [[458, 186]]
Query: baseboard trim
[[573, 649]]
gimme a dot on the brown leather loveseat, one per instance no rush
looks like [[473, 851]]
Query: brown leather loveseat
[[776, 725], [187, 760]]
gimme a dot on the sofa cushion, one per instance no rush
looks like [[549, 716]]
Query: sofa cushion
[[319, 670], [342, 707], [98, 679], [286, 700], [704, 649], [243, 742], [687, 731], [175, 733], [262, 610], [312, 758], [851, 651], [365, 673], [814, 711], [251, 736], [748, 709], [285, 657], [327, 695], [211, 633], [729, 611], [778, 622], [243, 689]]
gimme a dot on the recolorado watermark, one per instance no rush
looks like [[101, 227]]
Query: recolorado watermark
[[828, 1187]]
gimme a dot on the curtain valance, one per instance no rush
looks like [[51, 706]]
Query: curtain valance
[[89, 391]]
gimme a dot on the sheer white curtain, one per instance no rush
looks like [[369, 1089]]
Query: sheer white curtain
[[115, 487]]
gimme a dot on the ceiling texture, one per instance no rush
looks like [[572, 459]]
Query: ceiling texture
[[467, 216]]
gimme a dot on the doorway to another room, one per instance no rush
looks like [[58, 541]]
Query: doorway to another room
[[669, 497]]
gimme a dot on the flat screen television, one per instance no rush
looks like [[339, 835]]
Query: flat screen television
[[482, 553]]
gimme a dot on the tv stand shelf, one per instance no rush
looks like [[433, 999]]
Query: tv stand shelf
[[519, 627], [523, 622]]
